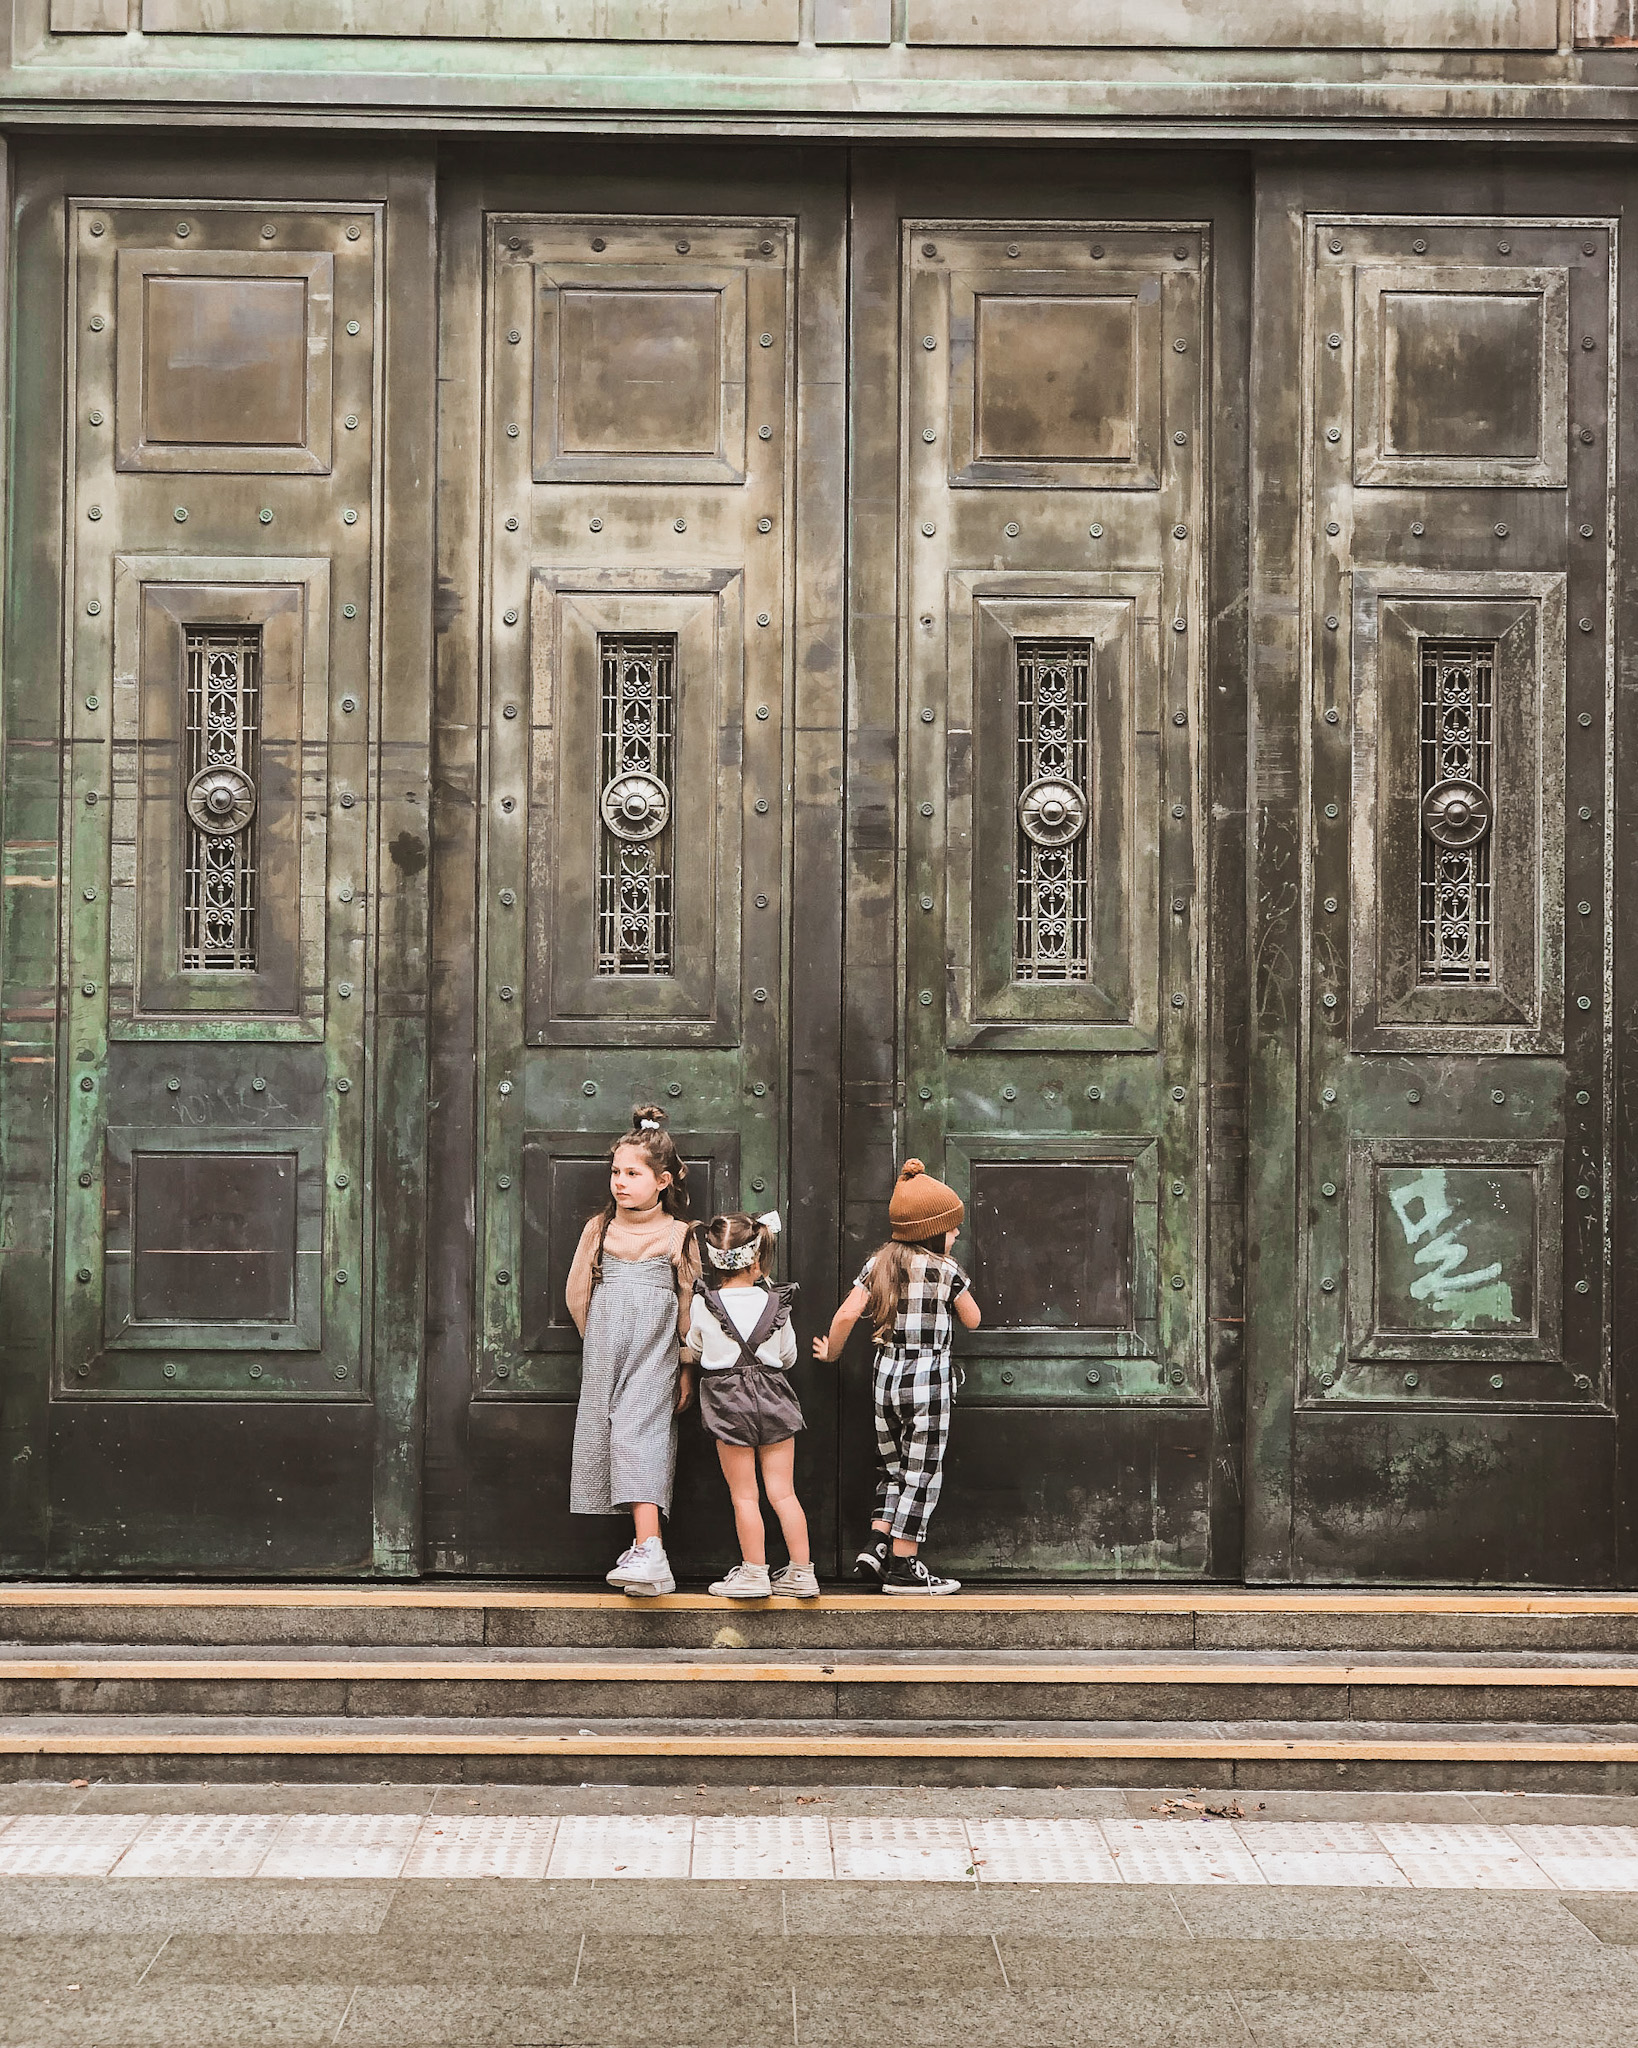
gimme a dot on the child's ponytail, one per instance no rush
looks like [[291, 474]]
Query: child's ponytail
[[649, 1136], [889, 1276]]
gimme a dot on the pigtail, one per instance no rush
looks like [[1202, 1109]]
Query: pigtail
[[648, 1135]]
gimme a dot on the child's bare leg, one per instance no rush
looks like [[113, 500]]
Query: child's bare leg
[[646, 1515], [739, 1469], [778, 1464]]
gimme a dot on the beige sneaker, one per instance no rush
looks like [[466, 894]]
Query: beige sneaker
[[744, 1582], [795, 1582]]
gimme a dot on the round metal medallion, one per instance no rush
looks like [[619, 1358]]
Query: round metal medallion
[[1051, 812], [1456, 813], [636, 807], [221, 801]]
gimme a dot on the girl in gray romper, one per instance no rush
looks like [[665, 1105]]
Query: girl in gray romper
[[633, 1266]]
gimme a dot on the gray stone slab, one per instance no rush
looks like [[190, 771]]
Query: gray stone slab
[[1611, 1918], [638, 1906], [38, 1796], [495, 1955], [950, 1963], [1159, 2017], [1485, 1969], [1390, 2019], [1326, 1913], [188, 2016], [50, 1963], [1554, 1809], [69, 1906], [862, 1909], [1036, 1964], [609, 1799], [277, 1797], [1272, 1803], [645, 2016]]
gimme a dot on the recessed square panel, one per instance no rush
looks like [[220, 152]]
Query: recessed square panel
[[1055, 380], [213, 1236], [1455, 1248], [225, 361], [640, 372], [1054, 1243], [1461, 376], [222, 361]]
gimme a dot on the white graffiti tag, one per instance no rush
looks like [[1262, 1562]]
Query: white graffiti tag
[[1447, 1287]]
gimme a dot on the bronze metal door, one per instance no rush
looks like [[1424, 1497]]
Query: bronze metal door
[[206, 373], [1450, 1407], [640, 708], [1061, 355]]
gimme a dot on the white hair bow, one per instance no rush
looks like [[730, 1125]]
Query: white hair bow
[[771, 1223]]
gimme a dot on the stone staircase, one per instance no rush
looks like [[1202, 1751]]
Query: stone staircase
[[1209, 1687]]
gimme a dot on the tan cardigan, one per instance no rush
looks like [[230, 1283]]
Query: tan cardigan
[[651, 1235]]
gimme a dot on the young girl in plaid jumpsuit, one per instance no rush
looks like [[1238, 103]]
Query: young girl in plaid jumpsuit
[[911, 1288]]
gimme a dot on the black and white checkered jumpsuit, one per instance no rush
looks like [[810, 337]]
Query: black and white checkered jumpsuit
[[913, 1392]]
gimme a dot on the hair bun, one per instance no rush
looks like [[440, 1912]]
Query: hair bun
[[910, 1169], [648, 1116]]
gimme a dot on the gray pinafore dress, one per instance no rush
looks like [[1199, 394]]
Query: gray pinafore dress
[[625, 1429]]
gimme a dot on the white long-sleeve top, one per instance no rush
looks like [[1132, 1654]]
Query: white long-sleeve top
[[716, 1351]]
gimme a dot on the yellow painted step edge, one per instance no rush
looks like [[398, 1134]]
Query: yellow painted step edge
[[1125, 1601], [454, 1671], [815, 1746]]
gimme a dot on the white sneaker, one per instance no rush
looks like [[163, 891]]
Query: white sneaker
[[644, 1569], [744, 1582], [796, 1582]]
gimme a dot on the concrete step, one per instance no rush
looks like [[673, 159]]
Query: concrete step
[[1243, 1754], [1108, 1618], [1575, 1688]]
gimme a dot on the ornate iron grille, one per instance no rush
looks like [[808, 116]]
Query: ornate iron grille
[[1458, 767], [223, 743], [634, 858], [1052, 939]]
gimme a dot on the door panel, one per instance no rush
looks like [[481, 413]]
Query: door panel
[[1057, 390], [1454, 1116], [653, 547]]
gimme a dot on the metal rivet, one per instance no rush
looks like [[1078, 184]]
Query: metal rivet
[[513, 336], [762, 711], [1178, 999], [682, 248], [1180, 718], [929, 248], [588, 1087], [345, 893], [1331, 622], [1180, 346], [509, 711], [96, 323], [764, 433], [1095, 530], [1586, 625], [352, 232], [1097, 249], [929, 341], [1178, 1187], [1328, 1287], [506, 993], [1328, 1188], [1177, 810], [927, 903], [509, 617], [1418, 528], [596, 526], [169, 1372], [928, 528], [92, 702], [512, 430], [761, 904], [760, 1089], [766, 248], [1333, 341], [503, 1372], [1177, 1283], [1330, 810], [674, 1089], [1094, 1094], [1335, 246], [762, 806], [94, 608], [1583, 1193], [1585, 909], [90, 895], [344, 1086], [1413, 1094], [269, 232], [1176, 1375], [1496, 1381], [1585, 718], [349, 703], [1333, 433], [1012, 249], [679, 525], [758, 1184], [88, 988], [85, 1180], [1498, 1095], [341, 1278], [1586, 533], [598, 244], [1587, 436], [509, 804], [1094, 1378], [1180, 440], [1583, 1002], [1332, 715], [349, 517], [350, 422], [514, 241], [349, 611], [1009, 1093], [1331, 905], [1179, 905], [925, 998], [96, 227], [1328, 1095], [765, 340], [265, 515], [352, 326], [1179, 1094], [1180, 626], [1413, 1379], [508, 897], [503, 1278], [1582, 1096], [1329, 1001], [1332, 528], [764, 526], [1583, 1287], [759, 995], [180, 515], [764, 619], [94, 416], [1012, 529], [1420, 246], [173, 1085], [1328, 1379], [926, 810], [1504, 248], [1501, 530], [183, 229]]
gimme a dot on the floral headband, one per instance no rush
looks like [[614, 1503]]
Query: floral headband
[[742, 1256]]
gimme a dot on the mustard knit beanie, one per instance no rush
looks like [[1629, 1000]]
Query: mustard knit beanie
[[921, 1206]]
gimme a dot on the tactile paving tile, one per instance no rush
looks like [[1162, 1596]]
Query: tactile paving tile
[[482, 1845], [1306, 1837], [1588, 1859], [67, 1844], [932, 1849], [1180, 1852], [756, 1847], [341, 1845], [201, 1845], [594, 1845], [1041, 1852], [1468, 1857]]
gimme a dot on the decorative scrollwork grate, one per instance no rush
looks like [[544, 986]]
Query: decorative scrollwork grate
[[1457, 793], [634, 857], [1052, 938], [223, 742]]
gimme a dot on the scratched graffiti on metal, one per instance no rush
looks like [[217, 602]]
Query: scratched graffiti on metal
[[1447, 1241]]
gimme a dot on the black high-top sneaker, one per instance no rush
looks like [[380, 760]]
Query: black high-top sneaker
[[871, 1562], [910, 1575]]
